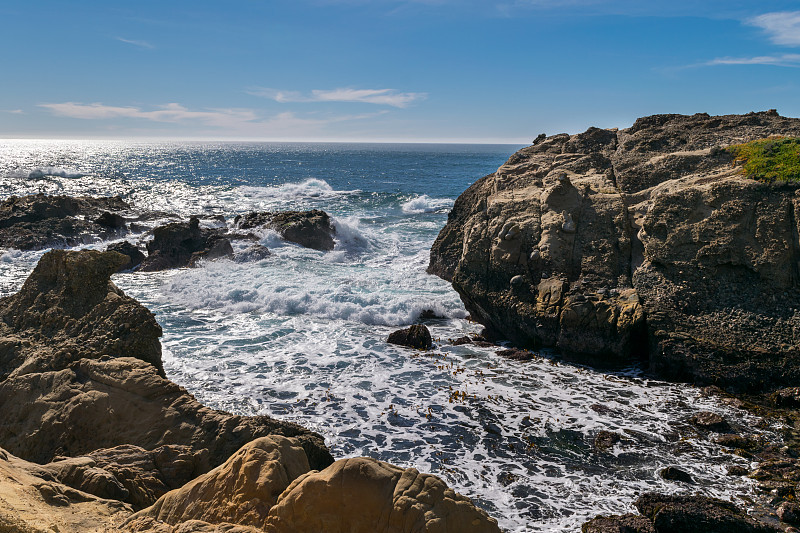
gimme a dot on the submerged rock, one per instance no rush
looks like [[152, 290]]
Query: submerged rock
[[311, 229], [639, 242], [39, 221], [417, 336]]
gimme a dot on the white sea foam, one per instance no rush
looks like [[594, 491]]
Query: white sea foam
[[426, 204], [43, 172]]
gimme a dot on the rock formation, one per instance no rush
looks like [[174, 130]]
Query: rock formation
[[311, 229], [267, 486], [417, 336], [645, 241], [182, 244], [38, 221]]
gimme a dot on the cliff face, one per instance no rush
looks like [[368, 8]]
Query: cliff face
[[644, 241]]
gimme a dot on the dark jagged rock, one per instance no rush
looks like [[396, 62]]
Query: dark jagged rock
[[672, 473], [629, 523], [110, 220], [174, 245], [789, 512], [134, 254], [516, 354], [417, 336], [311, 229], [639, 242], [709, 421], [605, 440], [80, 369], [38, 221], [697, 514]]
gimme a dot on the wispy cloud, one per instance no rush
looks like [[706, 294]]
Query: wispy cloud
[[782, 60], [140, 44], [243, 122], [13, 111], [783, 27], [389, 97]]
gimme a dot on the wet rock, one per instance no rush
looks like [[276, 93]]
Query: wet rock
[[697, 514], [417, 336], [672, 473], [253, 253], [709, 421], [311, 229], [39, 221], [736, 470], [174, 245], [788, 397], [789, 512], [516, 354], [429, 314], [460, 341], [735, 441], [110, 220], [629, 523], [134, 254], [605, 440], [642, 242]]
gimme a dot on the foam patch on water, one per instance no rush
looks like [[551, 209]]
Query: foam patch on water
[[43, 172], [426, 204]]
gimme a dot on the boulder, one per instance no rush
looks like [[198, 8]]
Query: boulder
[[629, 523], [311, 229], [40, 221], [253, 253], [644, 242], [134, 254], [181, 244], [363, 495], [240, 491], [417, 336], [697, 514]]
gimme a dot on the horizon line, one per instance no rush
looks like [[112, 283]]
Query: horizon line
[[515, 142]]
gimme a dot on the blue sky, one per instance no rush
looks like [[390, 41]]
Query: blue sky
[[386, 70]]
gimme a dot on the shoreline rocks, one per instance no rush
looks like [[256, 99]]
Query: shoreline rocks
[[311, 229], [644, 242]]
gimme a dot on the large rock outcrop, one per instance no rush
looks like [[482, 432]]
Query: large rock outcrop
[[39, 221], [80, 370], [181, 244], [268, 486], [645, 241]]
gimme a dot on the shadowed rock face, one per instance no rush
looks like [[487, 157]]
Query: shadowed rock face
[[39, 221], [644, 241], [80, 369]]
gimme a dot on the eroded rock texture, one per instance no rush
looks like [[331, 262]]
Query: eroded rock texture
[[644, 241], [312, 229]]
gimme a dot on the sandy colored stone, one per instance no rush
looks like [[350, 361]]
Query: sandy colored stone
[[370, 496], [33, 503], [240, 491]]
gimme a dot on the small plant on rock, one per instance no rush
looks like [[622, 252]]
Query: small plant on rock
[[772, 160]]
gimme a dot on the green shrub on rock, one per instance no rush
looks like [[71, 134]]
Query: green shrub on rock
[[776, 159]]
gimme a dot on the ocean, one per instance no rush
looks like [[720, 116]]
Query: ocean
[[301, 335]]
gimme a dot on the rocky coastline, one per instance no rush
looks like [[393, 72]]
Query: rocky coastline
[[92, 432]]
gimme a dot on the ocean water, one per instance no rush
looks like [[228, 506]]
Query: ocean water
[[301, 335]]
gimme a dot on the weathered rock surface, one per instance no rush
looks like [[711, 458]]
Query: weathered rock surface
[[645, 241], [416, 336], [364, 495], [80, 369], [32, 501], [181, 244], [684, 514], [311, 229], [39, 221]]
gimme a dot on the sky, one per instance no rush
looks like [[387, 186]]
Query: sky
[[386, 70]]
